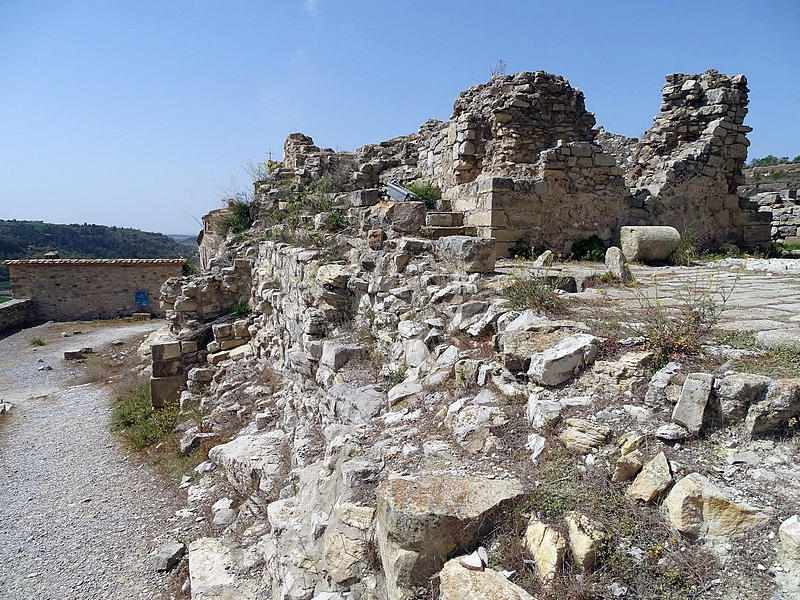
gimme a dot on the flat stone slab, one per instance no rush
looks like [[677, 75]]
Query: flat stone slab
[[779, 338], [752, 325]]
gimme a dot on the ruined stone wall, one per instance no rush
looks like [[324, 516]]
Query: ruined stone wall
[[688, 165], [210, 240], [82, 289], [16, 313], [784, 210]]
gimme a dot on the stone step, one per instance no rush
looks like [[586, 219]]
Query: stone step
[[444, 219], [435, 233]]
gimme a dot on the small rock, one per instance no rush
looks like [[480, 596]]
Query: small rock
[[585, 539], [654, 479], [671, 432], [615, 263], [691, 406], [564, 360], [546, 546], [224, 517], [582, 437], [789, 534], [168, 556]]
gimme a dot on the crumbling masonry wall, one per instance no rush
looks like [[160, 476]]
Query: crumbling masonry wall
[[688, 165], [566, 179]]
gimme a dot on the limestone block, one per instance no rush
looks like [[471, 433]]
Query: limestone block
[[222, 331], [357, 405], [200, 374], [585, 539], [404, 391], [582, 436], [164, 390], [789, 534], [615, 264], [542, 412], [166, 351], [335, 356], [333, 275], [648, 243], [360, 198], [782, 402], [255, 462], [654, 479], [564, 360], [627, 466], [691, 406], [546, 546], [217, 357], [219, 571], [698, 507], [231, 344], [467, 253], [459, 583], [737, 392], [342, 555], [167, 368], [422, 520]]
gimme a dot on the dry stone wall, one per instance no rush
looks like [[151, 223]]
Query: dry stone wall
[[80, 288], [784, 211]]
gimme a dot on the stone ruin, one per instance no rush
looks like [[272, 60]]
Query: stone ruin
[[520, 160]]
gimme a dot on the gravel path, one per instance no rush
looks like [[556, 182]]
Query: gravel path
[[77, 517]]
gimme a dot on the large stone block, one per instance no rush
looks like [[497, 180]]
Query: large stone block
[[561, 362], [166, 351], [164, 390], [648, 243], [467, 253]]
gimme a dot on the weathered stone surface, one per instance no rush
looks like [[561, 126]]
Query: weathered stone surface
[[165, 390], [403, 391], [789, 534], [561, 362], [200, 374], [193, 438], [661, 384], [655, 478], [779, 338], [216, 572], [399, 217], [470, 254], [422, 520], [342, 555], [353, 404], [335, 356], [627, 466], [166, 557], [648, 243], [546, 546], [254, 463], [459, 583], [737, 392], [585, 538], [782, 402], [615, 262], [582, 436], [698, 507], [691, 406]]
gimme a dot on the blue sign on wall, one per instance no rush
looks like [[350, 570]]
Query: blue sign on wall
[[141, 297]]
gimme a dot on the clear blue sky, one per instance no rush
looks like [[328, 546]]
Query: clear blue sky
[[139, 113]]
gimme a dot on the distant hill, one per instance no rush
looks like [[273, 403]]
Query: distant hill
[[31, 239], [188, 239], [770, 178]]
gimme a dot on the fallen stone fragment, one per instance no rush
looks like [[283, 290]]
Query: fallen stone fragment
[[193, 438], [542, 412], [615, 264], [73, 355], [585, 539], [536, 444], [224, 517], [737, 392], [547, 548], [627, 466], [672, 432], [691, 406], [467, 253], [781, 403], [422, 520], [582, 436], [630, 442], [564, 360], [458, 583], [660, 384], [789, 534], [5, 407], [545, 259], [168, 556], [472, 562], [654, 479], [403, 391], [698, 507]]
